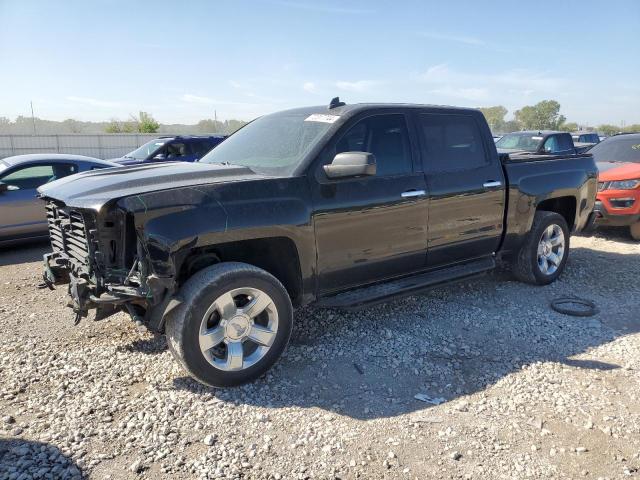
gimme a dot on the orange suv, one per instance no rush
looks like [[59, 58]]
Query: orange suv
[[618, 199]]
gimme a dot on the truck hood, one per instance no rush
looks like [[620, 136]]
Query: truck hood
[[611, 171], [96, 188]]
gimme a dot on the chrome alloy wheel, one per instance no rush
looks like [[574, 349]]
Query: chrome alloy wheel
[[551, 249], [238, 329]]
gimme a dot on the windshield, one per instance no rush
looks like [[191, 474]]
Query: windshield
[[147, 149], [274, 144], [617, 149], [520, 141]]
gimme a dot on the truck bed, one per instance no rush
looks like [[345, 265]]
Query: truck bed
[[536, 157]]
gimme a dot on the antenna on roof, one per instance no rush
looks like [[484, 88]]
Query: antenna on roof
[[335, 103]]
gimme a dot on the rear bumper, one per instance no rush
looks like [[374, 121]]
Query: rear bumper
[[611, 218]]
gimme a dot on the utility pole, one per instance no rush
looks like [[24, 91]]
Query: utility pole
[[33, 119]]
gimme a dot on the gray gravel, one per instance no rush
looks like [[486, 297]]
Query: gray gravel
[[511, 388]]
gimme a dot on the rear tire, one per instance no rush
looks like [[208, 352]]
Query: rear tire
[[234, 322], [634, 230], [544, 253]]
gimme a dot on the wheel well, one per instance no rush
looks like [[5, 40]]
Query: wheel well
[[277, 255], [565, 206]]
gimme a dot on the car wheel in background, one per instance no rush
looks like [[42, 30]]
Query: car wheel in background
[[544, 253], [634, 230], [234, 323]]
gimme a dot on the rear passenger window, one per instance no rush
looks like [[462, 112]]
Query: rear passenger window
[[387, 137], [451, 142]]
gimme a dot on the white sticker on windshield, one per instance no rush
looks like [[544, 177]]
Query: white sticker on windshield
[[320, 117], [537, 138]]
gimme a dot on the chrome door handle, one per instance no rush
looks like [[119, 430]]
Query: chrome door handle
[[413, 193], [491, 184]]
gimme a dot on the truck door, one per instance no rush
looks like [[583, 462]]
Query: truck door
[[466, 186], [374, 227]]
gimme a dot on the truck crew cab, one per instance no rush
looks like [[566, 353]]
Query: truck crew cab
[[341, 207]]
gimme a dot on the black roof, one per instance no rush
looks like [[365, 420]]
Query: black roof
[[348, 110]]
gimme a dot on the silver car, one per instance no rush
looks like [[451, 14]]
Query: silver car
[[22, 213]]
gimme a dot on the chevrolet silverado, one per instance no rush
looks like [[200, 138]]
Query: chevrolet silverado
[[342, 206]]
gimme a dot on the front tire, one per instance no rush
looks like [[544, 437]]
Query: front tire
[[232, 326], [634, 230], [544, 253]]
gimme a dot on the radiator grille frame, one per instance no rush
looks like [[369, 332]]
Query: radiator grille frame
[[68, 232]]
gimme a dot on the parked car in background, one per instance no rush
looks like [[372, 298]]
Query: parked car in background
[[583, 141], [543, 142], [344, 207], [182, 148], [618, 200], [590, 138], [22, 214]]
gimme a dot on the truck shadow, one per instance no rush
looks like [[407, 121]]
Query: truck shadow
[[31, 251], [28, 459], [448, 343]]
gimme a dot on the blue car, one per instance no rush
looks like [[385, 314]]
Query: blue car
[[189, 148]]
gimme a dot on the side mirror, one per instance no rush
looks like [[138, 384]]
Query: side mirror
[[3, 187], [351, 164], [161, 157]]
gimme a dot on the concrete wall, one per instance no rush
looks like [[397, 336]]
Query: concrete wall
[[99, 145]]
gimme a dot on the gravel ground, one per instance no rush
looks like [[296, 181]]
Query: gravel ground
[[517, 390]]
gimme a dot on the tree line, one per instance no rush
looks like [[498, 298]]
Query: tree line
[[544, 115], [141, 123]]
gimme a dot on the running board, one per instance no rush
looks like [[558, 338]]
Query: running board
[[383, 292]]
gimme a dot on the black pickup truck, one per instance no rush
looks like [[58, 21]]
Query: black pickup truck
[[339, 207], [543, 142]]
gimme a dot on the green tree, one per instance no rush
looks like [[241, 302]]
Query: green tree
[[541, 116], [72, 125], [233, 125], [512, 126], [495, 117], [634, 128], [209, 125], [607, 129], [116, 126], [145, 123], [569, 127]]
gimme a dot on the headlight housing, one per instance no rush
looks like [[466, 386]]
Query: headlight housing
[[624, 185]]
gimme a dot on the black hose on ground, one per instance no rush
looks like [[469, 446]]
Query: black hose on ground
[[574, 306]]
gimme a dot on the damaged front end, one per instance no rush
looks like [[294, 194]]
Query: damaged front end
[[101, 259]]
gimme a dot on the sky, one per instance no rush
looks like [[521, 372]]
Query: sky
[[182, 61]]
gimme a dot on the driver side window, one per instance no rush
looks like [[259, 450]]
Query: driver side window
[[31, 177], [551, 144], [386, 137], [176, 150]]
